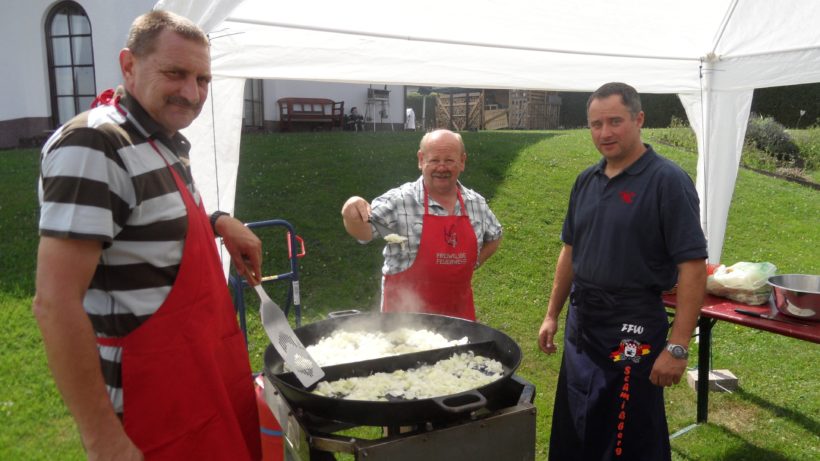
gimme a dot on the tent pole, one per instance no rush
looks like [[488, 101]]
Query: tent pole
[[705, 105]]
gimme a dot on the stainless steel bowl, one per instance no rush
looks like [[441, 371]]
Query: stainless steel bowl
[[797, 295]]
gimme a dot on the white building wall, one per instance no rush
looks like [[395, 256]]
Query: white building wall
[[24, 85], [110, 21]]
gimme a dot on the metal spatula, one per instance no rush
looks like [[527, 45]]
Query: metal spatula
[[387, 234], [285, 341]]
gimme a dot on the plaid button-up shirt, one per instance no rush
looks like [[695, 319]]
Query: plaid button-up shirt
[[402, 211]]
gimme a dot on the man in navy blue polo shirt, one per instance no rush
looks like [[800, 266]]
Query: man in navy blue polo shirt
[[632, 230]]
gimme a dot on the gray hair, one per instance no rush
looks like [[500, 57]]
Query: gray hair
[[144, 31]]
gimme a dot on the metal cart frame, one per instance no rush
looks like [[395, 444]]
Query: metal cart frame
[[296, 250]]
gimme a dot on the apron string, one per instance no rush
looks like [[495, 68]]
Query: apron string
[[458, 194]]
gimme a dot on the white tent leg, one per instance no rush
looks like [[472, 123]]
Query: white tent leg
[[215, 136], [719, 121]]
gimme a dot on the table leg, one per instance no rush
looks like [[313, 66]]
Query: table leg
[[704, 353]]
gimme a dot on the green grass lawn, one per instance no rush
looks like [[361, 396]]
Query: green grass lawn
[[526, 176]]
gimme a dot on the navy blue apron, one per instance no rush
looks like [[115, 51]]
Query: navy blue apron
[[605, 406]]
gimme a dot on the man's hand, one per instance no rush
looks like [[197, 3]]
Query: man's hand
[[667, 370], [355, 216], [117, 448], [561, 284], [244, 247], [356, 208], [546, 335], [65, 269]]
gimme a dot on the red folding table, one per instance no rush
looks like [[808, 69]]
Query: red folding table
[[716, 308]]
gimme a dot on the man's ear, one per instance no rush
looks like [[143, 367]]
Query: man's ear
[[639, 119], [420, 156], [127, 65]]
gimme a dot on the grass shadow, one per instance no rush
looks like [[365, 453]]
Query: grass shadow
[[740, 449], [811, 425], [491, 155]]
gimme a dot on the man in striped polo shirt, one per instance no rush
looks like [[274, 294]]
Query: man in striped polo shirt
[[137, 321]]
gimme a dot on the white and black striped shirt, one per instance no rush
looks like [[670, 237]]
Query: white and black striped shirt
[[101, 180]]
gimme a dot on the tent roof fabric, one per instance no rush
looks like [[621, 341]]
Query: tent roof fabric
[[712, 53], [558, 45]]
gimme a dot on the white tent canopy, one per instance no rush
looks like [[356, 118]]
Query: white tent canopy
[[712, 53]]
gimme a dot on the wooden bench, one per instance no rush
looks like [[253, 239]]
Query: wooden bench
[[313, 111]]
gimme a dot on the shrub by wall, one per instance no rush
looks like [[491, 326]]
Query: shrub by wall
[[768, 135], [783, 104], [658, 109]]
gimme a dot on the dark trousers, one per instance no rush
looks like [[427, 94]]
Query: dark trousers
[[605, 406]]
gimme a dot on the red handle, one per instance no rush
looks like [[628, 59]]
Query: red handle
[[301, 246]]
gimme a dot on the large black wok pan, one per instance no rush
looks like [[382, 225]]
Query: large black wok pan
[[483, 340]]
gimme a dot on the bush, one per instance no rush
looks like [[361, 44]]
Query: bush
[[795, 106], [768, 146], [678, 134], [753, 157], [658, 109], [767, 135], [677, 122], [661, 109], [808, 141]]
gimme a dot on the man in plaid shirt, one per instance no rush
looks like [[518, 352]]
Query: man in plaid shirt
[[437, 232]]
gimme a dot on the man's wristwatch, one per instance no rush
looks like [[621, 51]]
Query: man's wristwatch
[[677, 351], [214, 216]]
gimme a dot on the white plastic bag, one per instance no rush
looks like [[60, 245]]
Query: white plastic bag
[[744, 282]]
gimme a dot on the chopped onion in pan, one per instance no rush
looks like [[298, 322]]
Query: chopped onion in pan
[[354, 346], [459, 373]]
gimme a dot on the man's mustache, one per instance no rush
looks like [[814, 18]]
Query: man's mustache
[[180, 101]]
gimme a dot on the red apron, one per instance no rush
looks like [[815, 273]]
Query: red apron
[[187, 385], [439, 280]]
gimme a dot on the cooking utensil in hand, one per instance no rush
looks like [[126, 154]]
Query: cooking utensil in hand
[[285, 341], [384, 230], [766, 316], [387, 234]]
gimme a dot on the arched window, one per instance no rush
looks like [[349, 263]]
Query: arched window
[[70, 61]]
